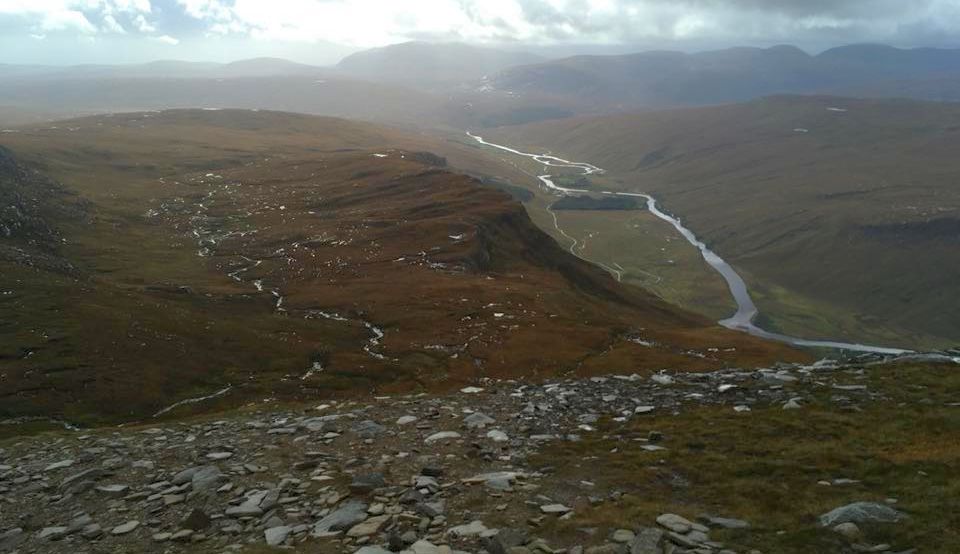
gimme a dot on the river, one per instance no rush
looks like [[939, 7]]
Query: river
[[747, 311]]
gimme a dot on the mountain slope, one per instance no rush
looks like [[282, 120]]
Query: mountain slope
[[827, 204], [286, 255], [659, 79]]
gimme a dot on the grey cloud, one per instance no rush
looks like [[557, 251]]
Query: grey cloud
[[807, 22]]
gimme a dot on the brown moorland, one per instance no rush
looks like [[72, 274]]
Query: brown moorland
[[267, 252]]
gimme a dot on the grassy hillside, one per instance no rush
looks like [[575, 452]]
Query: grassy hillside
[[295, 257], [841, 213]]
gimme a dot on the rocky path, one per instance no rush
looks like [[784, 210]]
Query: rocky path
[[413, 474]]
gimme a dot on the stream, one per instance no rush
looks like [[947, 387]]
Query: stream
[[747, 311]]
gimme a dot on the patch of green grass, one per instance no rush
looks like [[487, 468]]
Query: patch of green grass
[[647, 252], [789, 312]]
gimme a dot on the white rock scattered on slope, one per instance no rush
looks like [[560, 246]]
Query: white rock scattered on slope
[[442, 435], [58, 465], [219, 455], [471, 529], [555, 509], [497, 436], [125, 528], [478, 420]]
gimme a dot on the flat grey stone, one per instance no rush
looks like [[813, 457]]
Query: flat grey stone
[[849, 530], [555, 509], [647, 541], [478, 420], [725, 522], [243, 510], [91, 531], [344, 517], [58, 465], [113, 490], [368, 429], [472, 529], [367, 483], [442, 435], [88, 475], [373, 550], [275, 536], [861, 512], [219, 455], [125, 528], [368, 527], [52, 533], [675, 523], [497, 435], [206, 477], [185, 476], [424, 547]]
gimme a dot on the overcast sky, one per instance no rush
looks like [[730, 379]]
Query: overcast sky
[[321, 31]]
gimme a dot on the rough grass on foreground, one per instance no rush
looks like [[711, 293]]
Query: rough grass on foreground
[[765, 467]]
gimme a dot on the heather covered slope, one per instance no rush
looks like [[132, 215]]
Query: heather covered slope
[[841, 213], [301, 257]]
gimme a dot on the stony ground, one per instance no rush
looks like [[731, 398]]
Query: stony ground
[[395, 474]]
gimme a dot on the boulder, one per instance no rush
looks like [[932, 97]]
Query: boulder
[[861, 512]]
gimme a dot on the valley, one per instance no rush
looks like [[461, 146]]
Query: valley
[[288, 256], [746, 313], [819, 199], [478, 287]]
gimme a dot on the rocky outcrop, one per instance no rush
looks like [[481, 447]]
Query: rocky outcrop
[[31, 204]]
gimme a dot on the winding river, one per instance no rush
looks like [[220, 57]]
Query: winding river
[[747, 312]]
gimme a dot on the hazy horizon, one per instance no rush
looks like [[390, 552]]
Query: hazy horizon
[[321, 32], [547, 52]]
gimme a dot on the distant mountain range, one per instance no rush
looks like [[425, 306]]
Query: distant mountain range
[[658, 79], [257, 67], [458, 85], [432, 66]]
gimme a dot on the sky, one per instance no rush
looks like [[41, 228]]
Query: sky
[[63, 32]]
